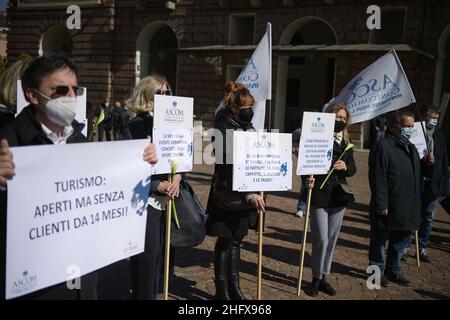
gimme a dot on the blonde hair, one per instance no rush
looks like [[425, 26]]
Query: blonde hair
[[8, 83], [141, 99], [335, 108]]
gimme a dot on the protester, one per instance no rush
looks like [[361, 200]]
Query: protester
[[394, 177], [115, 120], [328, 203], [434, 176], [146, 268], [105, 126], [379, 123], [50, 85], [230, 227], [8, 90]]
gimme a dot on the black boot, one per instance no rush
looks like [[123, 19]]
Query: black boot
[[221, 267], [235, 258]]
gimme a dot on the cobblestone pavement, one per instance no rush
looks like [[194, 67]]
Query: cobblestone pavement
[[194, 270]]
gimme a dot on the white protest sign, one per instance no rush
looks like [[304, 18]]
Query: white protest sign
[[316, 143], [418, 140], [262, 161], [81, 205], [173, 133], [381, 87]]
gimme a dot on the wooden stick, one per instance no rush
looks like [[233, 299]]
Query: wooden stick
[[416, 235], [260, 256], [305, 232], [167, 245]]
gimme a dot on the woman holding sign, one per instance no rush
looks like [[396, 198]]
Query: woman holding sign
[[231, 213], [146, 268], [330, 196]]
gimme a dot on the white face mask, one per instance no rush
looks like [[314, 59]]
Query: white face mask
[[61, 110]]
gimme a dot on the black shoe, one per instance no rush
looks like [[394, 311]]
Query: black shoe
[[384, 281], [399, 279], [423, 257], [221, 270], [325, 287], [313, 288]]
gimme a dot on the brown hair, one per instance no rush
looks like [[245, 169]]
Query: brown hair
[[335, 108], [237, 96]]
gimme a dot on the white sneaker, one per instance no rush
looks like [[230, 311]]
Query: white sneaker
[[299, 214]]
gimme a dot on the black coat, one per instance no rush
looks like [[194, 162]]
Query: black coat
[[328, 196], [220, 223], [438, 173], [26, 130], [394, 177], [6, 116]]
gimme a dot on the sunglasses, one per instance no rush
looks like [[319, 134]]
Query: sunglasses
[[64, 90], [167, 92]]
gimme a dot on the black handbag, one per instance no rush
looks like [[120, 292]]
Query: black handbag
[[344, 194], [191, 217]]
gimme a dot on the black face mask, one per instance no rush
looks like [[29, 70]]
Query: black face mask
[[339, 126], [246, 115]]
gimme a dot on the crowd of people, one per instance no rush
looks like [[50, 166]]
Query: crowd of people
[[404, 187]]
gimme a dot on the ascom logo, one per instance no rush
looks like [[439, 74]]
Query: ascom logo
[[372, 86], [318, 126], [25, 283]]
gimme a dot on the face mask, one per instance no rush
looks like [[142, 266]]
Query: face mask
[[339, 126], [60, 110], [432, 123], [407, 132], [246, 115]]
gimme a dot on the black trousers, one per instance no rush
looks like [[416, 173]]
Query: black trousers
[[147, 268]]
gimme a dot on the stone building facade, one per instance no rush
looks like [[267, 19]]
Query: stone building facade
[[319, 45]]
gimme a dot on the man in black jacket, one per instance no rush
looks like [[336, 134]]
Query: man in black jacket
[[434, 177], [50, 85], [394, 177]]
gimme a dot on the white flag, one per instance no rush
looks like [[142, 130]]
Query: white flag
[[257, 77], [381, 87]]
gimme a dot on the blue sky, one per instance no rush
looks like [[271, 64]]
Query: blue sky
[[3, 4]]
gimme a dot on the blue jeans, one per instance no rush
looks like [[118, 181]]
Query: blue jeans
[[426, 223], [398, 239], [301, 204]]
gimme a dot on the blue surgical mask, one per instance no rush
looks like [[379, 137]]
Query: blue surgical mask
[[432, 123], [407, 132]]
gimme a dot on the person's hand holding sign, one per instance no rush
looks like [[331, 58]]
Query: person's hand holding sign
[[150, 153], [6, 163], [257, 201]]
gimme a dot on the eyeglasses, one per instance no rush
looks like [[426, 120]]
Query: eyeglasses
[[64, 90], [167, 92]]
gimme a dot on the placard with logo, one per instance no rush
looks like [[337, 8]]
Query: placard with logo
[[262, 161], [73, 209], [418, 139], [173, 133], [316, 143]]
